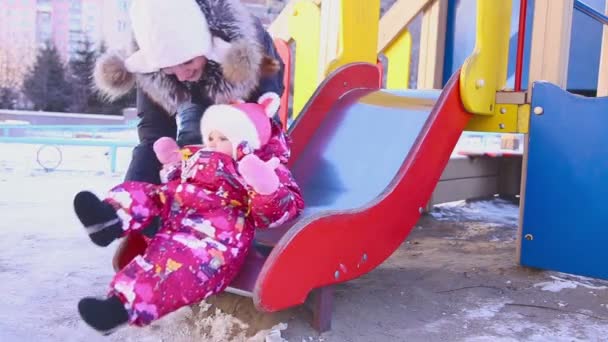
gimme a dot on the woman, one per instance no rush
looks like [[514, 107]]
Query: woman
[[189, 55], [209, 208]]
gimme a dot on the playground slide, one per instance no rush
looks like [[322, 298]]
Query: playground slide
[[367, 161]]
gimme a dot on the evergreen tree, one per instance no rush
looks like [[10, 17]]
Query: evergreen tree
[[46, 85], [8, 98], [81, 73], [102, 47]]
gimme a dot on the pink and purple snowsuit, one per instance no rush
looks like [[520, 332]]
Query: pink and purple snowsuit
[[208, 217]]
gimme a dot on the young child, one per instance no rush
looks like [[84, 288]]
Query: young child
[[200, 221]]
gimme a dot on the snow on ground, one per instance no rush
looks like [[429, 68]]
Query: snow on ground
[[568, 281], [48, 263], [498, 211], [454, 279]]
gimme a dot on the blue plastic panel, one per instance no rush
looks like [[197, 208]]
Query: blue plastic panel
[[567, 184], [585, 48]]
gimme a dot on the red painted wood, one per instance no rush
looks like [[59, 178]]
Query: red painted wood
[[285, 54], [521, 37], [309, 254], [341, 81], [380, 67], [130, 246]]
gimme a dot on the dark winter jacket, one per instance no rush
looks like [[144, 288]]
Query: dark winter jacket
[[238, 77]]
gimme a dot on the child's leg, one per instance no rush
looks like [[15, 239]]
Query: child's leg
[[130, 206], [176, 270]]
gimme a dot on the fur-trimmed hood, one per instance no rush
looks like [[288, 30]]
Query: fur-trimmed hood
[[236, 78]]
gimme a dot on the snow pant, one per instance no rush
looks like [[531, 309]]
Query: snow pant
[[180, 266]]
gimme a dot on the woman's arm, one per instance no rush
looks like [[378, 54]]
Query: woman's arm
[[273, 83], [154, 123]]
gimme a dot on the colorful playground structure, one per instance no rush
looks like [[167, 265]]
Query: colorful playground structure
[[368, 151], [364, 197]]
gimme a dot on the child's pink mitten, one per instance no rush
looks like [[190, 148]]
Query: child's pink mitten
[[167, 151], [260, 175]]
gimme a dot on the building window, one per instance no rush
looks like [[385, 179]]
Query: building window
[[75, 24], [122, 26], [43, 26]]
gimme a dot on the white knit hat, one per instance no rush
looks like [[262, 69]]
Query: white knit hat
[[168, 33], [241, 122]]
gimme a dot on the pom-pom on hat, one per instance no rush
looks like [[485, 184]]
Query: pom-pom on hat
[[241, 122]]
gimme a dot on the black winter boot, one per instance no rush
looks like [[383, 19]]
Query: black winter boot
[[103, 315], [98, 218]]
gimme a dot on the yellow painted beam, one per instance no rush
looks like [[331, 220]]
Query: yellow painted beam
[[304, 27], [395, 42], [504, 120], [507, 118], [330, 31], [485, 70], [396, 19], [279, 28], [523, 118], [398, 55], [358, 32]]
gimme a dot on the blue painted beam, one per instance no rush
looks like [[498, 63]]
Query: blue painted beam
[[590, 12]]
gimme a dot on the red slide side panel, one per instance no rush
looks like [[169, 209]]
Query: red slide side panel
[[338, 247], [345, 79]]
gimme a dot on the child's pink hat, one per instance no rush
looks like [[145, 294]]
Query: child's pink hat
[[240, 122]]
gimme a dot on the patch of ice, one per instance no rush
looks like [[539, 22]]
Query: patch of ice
[[48, 263], [567, 329], [486, 311], [559, 284], [555, 286], [490, 339], [274, 335], [497, 211]]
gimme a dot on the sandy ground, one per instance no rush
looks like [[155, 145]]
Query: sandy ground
[[454, 279]]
